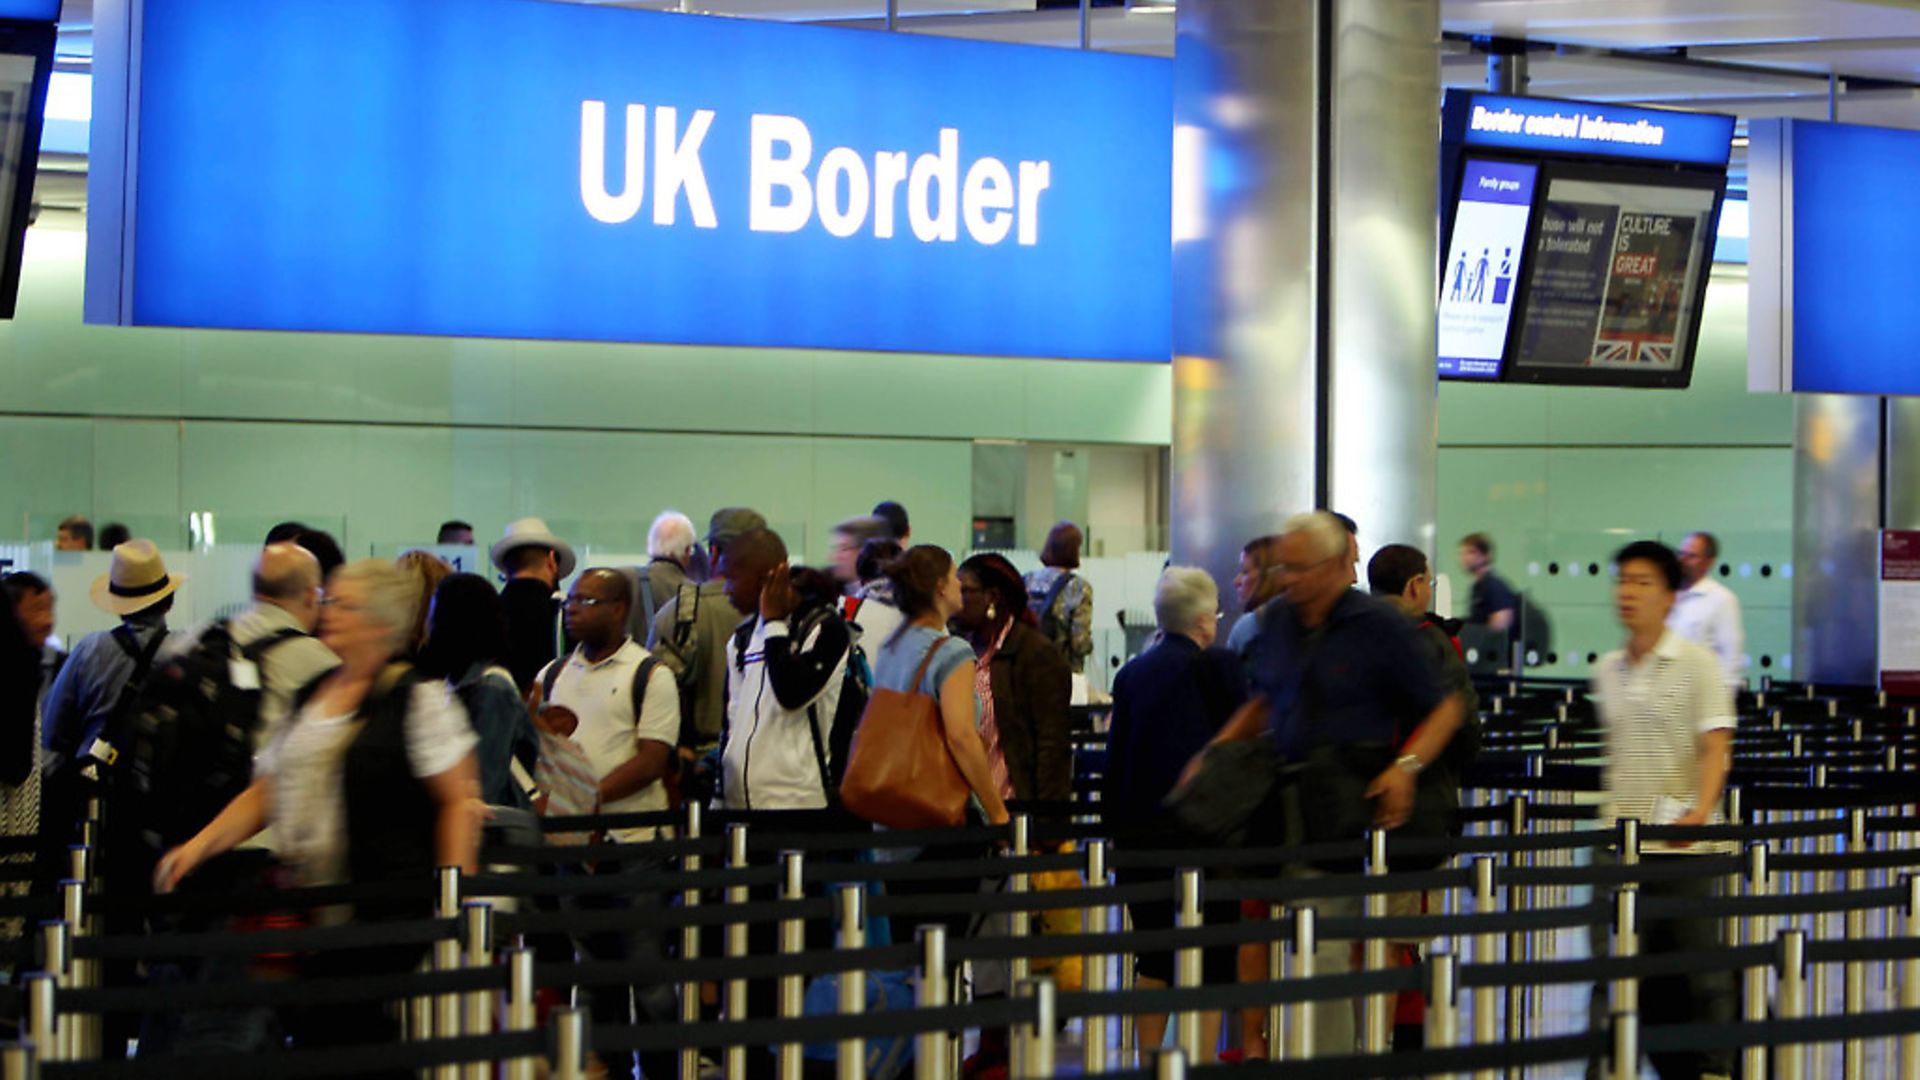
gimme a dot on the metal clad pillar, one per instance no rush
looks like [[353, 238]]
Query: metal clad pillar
[[1305, 238], [1384, 393], [1836, 544]]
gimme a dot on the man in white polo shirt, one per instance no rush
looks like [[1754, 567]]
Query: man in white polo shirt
[[630, 745], [1706, 611], [1668, 717]]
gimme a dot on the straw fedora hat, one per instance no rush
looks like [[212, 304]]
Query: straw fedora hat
[[532, 532], [137, 581]]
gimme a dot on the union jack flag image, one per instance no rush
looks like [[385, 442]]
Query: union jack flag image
[[1632, 349], [1613, 352]]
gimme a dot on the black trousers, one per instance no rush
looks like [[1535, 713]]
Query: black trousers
[[644, 939], [358, 1024], [1674, 999]]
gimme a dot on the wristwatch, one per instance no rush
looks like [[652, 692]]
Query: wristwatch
[[1411, 764]]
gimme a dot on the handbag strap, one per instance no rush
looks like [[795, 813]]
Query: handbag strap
[[926, 662]]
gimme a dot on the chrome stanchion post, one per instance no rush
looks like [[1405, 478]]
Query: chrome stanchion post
[[734, 1058], [476, 939], [43, 1024], [1300, 1015], [1486, 1010], [1789, 1062], [1094, 1049], [446, 957], [1525, 1003], [851, 908], [793, 942], [90, 826], [1276, 970], [521, 1011], [1376, 1010], [1889, 918], [87, 1029], [1186, 971], [1854, 989], [1519, 943], [1626, 1046], [1754, 992], [1443, 1001], [1130, 1049], [1822, 922], [570, 1043], [1033, 1049], [1019, 923], [1170, 1065], [690, 941], [56, 950], [1624, 992], [19, 1062], [933, 1050], [1730, 885], [1910, 979]]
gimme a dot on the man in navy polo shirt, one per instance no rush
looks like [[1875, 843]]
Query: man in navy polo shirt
[[1339, 678]]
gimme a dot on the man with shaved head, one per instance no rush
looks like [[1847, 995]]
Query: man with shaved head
[[783, 683], [626, 714], [786, 670]]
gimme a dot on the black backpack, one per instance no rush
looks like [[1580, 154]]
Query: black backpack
[[188, 738], [856, 686]]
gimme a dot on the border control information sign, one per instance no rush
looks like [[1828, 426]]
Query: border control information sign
[[1900, 611], [512, 168]]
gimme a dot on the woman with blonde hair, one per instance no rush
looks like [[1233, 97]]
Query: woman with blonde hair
[[371, 781]]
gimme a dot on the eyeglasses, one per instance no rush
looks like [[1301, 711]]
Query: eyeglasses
[[587, 601], [338, 604]]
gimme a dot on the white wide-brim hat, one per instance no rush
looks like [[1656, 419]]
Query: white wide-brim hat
[[137, 581], [531, 532]]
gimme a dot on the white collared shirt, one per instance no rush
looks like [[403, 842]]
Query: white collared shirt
[[1709, 614], [1653, 713], [601, 695]]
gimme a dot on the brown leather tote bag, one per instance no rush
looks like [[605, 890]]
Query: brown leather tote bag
[[900, 773]]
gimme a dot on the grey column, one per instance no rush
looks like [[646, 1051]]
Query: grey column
[[1903, 463], [1837, 500], [1305, 146]]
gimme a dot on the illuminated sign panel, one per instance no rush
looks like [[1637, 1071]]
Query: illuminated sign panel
[[30, 10], [1588, 129], [509, 168], [1834, 274]]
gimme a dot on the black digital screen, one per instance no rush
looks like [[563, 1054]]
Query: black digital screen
[[26, 62], [1616, 272]]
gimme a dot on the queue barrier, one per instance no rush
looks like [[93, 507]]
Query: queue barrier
[[1272, 994], [1802, 845]]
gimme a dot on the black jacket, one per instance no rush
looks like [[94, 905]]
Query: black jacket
[[531, 611], [1032, 686]]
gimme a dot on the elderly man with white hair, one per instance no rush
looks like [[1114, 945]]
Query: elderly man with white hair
[[1356, 708], [1167, 703], [671, 544]]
